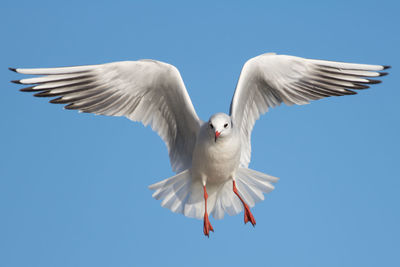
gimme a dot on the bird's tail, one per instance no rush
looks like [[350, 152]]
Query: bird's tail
[[251, 185], [182, 194]]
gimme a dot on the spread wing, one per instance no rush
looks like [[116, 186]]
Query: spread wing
[[148, 91], [268, 80]]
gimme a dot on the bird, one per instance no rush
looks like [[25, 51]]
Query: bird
[[210, 158]]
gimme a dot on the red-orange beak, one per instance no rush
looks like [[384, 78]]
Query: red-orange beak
[[216, 135]]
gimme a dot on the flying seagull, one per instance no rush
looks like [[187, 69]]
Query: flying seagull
[[210, 158]]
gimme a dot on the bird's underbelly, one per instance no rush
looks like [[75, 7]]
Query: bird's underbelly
[[215, 162], [220, 170]]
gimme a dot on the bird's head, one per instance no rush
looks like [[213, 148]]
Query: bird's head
[[219, 126]]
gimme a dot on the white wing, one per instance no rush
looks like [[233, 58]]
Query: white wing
[[148, 91], [268, 80]]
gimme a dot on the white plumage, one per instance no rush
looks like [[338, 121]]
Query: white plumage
[[210, 158]]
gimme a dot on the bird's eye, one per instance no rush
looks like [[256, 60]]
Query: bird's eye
[[225, 125], [211, 126]]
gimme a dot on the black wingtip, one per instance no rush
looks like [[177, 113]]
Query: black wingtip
[[16, 81], [360, 86], [386, 67], [69, 106], [383, 73], [373, 81], [57, 100], [42, 94], [27, 89], [13, 69], [350, 92]]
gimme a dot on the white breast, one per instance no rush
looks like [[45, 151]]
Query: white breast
[[215, 162]]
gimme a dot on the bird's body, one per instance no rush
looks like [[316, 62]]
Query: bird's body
[[213, 161], [210, 158]]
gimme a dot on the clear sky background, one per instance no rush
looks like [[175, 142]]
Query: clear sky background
[[73, 187]]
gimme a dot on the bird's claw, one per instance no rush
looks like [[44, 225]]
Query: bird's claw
[[207, 226], [248, 216]]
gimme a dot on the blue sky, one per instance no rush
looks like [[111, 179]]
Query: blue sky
[[73, 187]]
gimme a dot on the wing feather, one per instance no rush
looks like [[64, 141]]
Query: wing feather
[[148, 91], [268, 80]]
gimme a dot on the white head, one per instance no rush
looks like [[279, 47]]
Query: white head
[[219, 125]]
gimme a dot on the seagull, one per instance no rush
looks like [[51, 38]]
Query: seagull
[[210, 158]]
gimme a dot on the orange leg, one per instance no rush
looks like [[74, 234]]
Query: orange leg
[[207, 225], [247, 213]]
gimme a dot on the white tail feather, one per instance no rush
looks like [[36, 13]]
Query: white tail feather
[[182, 194]]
